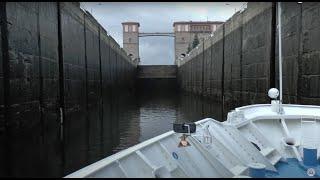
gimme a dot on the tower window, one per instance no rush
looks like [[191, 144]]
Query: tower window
[[126, 29], [179, 27], [133, 28], [129, 39]]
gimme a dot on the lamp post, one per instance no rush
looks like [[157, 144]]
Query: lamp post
[[280, 52]]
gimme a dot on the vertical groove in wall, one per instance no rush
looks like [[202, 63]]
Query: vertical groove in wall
[[86, 84], [272, 76], [202, 67], [241, 45], [299, 85], [210, 67], [110, 69], [222, 77], [61, 88], [6, 83], [116, 70], [40, 76], [101, 91], [111, 81]]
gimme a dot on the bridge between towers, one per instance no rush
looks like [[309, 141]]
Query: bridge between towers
[[167, 34]]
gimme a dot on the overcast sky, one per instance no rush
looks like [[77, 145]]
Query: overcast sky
[[157, 17]]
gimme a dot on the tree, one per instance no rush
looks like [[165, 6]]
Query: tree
[[189, 49], [195, 41]]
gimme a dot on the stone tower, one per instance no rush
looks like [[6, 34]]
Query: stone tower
[[185, 32], [131, 39]]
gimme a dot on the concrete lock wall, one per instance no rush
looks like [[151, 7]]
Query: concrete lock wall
[[301, 60], [156, 79], [2, 100], [240, 62], [58, 71], [156, 71]]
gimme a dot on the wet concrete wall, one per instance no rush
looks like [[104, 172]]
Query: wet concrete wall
[[156, 71], [301, 36], [2, 100], [240, 63], [155, 86], [156, 79], [58, 71], [256, 54]]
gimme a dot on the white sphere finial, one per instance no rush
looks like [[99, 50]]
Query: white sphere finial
[[273, 93]]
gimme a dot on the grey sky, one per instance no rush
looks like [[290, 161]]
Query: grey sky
[[157, 17]]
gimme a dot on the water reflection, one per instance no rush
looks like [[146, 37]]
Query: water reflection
[[193, 108], [127, 120]]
